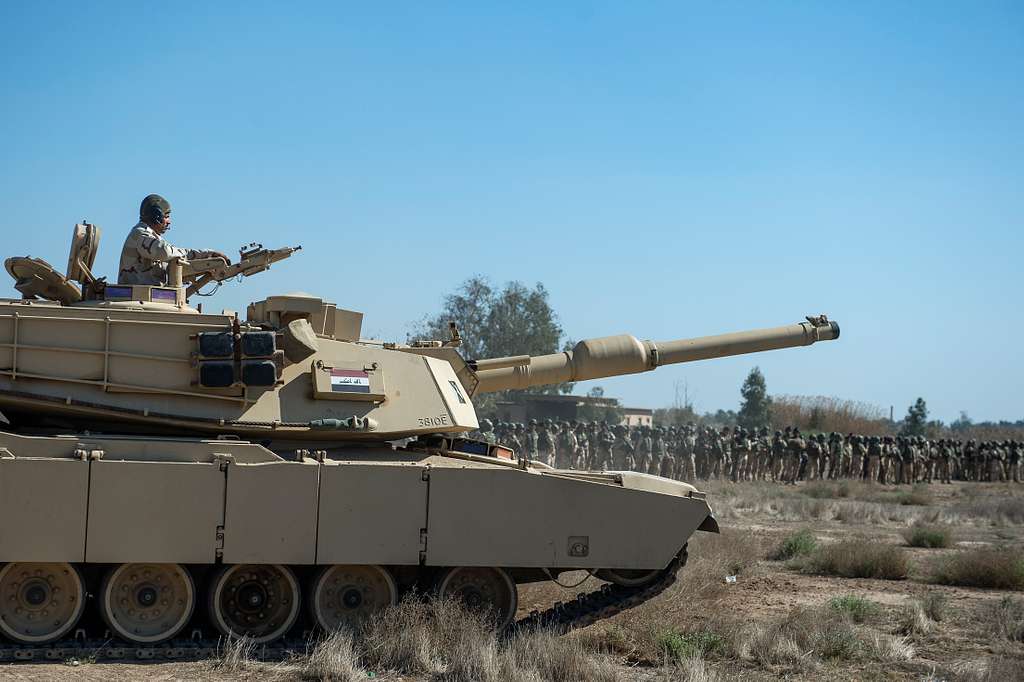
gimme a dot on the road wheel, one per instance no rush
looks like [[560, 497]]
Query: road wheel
[[40, 603], [482, 590], [254, 600], [627, 577], [147, 603], [346, 596]]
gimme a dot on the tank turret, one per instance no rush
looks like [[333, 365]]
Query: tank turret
[[610, 356]]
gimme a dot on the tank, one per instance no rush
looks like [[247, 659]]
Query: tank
[[169, 474]]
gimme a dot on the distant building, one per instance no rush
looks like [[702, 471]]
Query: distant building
[[567, 407], [637, 416]]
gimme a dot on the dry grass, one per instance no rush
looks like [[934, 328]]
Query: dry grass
[[994, 669], [918, 496], [1004, 619], [798, 544], [929, 535], [807, 636], [856, 608], [431, 640], [236, 655], [1001, 569], [823, 413], [860, 558], [996, 512], [935, 605], [333, 658], [912, 619], [665, 629]]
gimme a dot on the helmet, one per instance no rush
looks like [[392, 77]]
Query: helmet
[[154, 208], [486, 425]]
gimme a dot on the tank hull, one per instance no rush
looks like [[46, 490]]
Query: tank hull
[[97, 502]]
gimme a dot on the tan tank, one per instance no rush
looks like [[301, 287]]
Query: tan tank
[[181, 473]]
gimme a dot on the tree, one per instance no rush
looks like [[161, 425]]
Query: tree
[[916, 420], [609, 412], [493, 323], [756, 408], [963, 422]]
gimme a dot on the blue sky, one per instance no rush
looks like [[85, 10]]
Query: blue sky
[[665, 169]]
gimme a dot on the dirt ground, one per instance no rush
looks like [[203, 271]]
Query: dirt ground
[[755, 518]]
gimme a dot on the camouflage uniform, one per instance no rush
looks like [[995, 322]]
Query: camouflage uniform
[[662, 463], [584, 459], [565, 451], [740, 448], [605, 442], [145, 256], [532, 438], [622, 450]]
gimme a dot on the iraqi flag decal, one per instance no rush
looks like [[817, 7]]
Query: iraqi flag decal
[[349, 381]]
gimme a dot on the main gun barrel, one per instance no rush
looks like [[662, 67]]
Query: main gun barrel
[[611, 356]]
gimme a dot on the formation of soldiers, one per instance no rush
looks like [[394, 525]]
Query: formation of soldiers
[[689, 452]]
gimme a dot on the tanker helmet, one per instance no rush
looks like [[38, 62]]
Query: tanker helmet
[[154, 209]]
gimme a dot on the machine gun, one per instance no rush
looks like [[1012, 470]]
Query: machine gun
[[252, 259]]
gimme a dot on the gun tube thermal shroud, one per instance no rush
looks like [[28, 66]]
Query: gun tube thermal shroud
[[625, 354]]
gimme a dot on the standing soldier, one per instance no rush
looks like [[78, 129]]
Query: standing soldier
[[642, 456], [532, 438], [777, 457], [725, 458], [486, 432], [663, 465], [512, 438], [1013, 460], [584, 457], [813, 456], [605, 443], [858, 458], [622, 450], [740, 448], [884, 467], [657, 450], [798, 455], [689, 448], [565, 448], [874, 459], [945, 455], [837, 455], [546, 443]]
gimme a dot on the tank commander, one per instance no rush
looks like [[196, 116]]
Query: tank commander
[[146, 253]]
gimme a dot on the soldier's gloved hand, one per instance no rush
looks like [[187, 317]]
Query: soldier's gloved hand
[[218, 254]]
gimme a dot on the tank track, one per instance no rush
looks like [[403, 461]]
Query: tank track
[[591, 607], [584, 610]]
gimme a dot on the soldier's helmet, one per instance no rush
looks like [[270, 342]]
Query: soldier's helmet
[[154, 208], [533, 422], [778, 433]]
